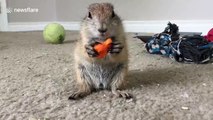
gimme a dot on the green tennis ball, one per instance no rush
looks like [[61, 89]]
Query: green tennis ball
[[54, 33]]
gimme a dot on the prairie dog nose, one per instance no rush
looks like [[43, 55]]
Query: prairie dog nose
[[103, 27], [102, 30]]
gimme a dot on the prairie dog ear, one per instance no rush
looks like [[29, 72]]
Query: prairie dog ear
[[113, 14]]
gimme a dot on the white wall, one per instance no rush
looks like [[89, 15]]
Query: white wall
[[3, 16], [139, 15], [47, 10], [133, 10]]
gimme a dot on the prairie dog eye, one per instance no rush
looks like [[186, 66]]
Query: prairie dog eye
[[113, 14], [89, 15]]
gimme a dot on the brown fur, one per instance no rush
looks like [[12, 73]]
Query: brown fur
[[101, 10], [114, 67]]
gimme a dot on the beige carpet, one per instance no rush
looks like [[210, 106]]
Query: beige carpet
[[36, 79]]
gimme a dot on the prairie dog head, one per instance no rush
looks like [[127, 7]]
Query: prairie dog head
[[101, 21]]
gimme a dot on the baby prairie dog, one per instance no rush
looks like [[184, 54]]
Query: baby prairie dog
[[101, 23]]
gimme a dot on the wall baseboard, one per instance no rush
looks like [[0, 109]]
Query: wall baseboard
[[130, 26], [39, 26]]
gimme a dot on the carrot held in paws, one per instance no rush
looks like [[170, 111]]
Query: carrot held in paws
[[103, 48]]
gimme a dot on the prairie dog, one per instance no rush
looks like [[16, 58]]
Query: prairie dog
[[100, 23]]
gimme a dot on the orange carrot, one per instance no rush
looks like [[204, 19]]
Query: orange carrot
[[103, 48]]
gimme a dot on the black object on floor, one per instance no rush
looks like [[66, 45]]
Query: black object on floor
[[188, 47]]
